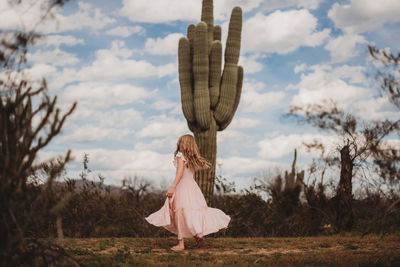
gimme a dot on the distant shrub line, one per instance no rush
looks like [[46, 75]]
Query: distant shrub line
[[93, 209]]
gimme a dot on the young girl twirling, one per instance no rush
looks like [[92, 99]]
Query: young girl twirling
[[185, 211]]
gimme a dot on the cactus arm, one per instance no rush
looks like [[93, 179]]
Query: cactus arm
[[232, 50], [190, 32], [190, 36], [186, 79], [239, 81], [217, 33], [294, 161], [237, 99], [230, 75], [215, 72], [207, 15], [227, 94], [201, 73], [290, 182]]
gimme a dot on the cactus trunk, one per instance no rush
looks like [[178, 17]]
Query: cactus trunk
[[209, 99], [207, 143]]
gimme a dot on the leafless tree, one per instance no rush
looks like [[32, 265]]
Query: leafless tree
[[361, 146], [29, 120]]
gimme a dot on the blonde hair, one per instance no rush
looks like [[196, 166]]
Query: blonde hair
[[188, 147]]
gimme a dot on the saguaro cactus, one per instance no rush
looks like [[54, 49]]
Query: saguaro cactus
[[294, 180], [209, 99]]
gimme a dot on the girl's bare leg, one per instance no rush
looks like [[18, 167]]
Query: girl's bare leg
[[180, 246]]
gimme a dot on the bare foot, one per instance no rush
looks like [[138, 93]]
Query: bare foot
[[177, 248]]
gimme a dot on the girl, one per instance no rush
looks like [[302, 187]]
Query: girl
[[185, 211]]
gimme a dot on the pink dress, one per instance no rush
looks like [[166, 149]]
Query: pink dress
[[186, 213]]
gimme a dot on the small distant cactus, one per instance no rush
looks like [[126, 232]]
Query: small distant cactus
[[293, 179], [209, 99], [286, 196]]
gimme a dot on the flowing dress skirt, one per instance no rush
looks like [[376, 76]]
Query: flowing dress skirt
[[186, 213]]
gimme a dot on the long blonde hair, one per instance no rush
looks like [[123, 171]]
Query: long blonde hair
[[188, 147]]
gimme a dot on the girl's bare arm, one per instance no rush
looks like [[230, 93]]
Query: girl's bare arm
[[178, 177], [179, 173]]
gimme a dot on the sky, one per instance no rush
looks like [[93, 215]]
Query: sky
[[118, 60]]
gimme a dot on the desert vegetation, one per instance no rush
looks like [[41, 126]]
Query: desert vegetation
[[102, 224], [292, 208]]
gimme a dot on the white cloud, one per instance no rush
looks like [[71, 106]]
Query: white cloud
[[57, 40], [21, 15], [177, 110], [118, 164], [87, 133], [364, 15], [27, 16], [113, 64], [244, 166], [376, 109], [162, 126], [339, 84], [82, 112], [86, 17], [235, 140], [165, 70], [40, 70], [167, 143], [243, 123], [223, 8], [58, 79], [282, 32], [98, 115], [111, 118], [161, 11], [229, 138], [163, 46], [232, 140], [117, 49], [126, 31], [250, 63], [278, 4], [164, 105], [55, 57], [103, 95], [121, 118], [343, 47], [300, 68], [89, 123], [282, 145], [326, 82], [354, 73], [254, 100]]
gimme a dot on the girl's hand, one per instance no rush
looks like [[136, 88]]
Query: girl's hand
[[170, 191]]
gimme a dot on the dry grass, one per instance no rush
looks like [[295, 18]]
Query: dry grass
[[299, 251]]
